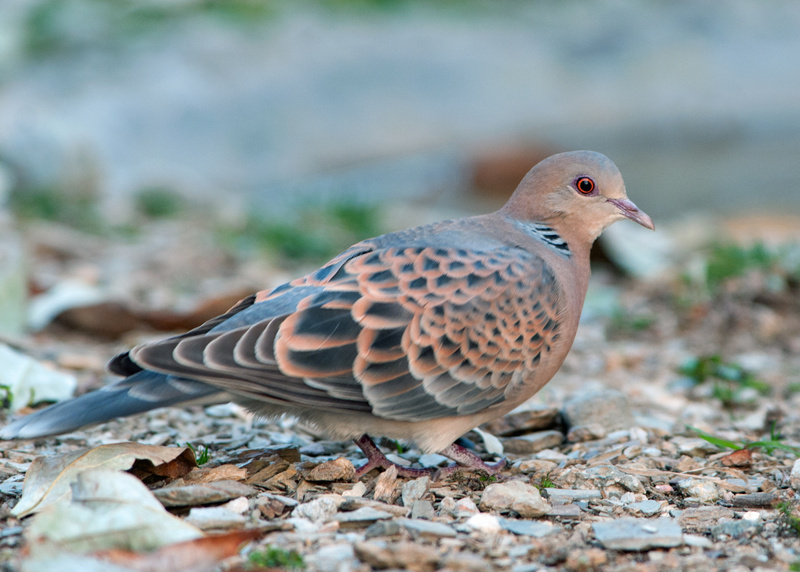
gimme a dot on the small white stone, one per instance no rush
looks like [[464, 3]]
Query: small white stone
[[751, 515], [238, 505], [484, 522], [358, 490], [466, 506]]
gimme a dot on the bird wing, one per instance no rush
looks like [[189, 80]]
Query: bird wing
[[405, 332]]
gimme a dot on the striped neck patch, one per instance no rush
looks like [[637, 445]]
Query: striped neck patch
[[547, 235]]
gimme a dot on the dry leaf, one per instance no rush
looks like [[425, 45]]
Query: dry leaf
[[202, 475], [49, 478], [109, 509], [739, 458], [199, 555]]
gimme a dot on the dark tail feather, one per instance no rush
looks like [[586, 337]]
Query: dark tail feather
[[138, 393]]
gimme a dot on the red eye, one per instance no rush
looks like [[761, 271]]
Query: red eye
[[585, 185]]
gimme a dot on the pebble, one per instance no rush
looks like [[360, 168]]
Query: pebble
[[414, 490], [648, 507], [206, 493], [606, 408], [603, 476], [701, 519], [239, 505], [466, 506], [484, 522], [430, 460], [794, 476], [532, 443], [361, 517], [520, 527], [383, 528], [517, 496], [447, 506], [332, 556], [694, 446], [736, 528], [422, 509], [426, 528], [697, 540], [704, 490], [569, 495], [637, 534], [538, 466], [400, 556], [551, 455], [535, 416], [215, 518], [358, 490], [340, 469], [317, 510]]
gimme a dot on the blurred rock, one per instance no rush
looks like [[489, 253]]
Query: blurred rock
[[607, 408], [532, 443], [638, 534], [340, 469], [533, 416]]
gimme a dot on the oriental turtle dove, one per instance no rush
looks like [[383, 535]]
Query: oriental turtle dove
[[418, 335]]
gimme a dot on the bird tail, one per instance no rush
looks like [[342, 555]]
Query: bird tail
[[138, 393]]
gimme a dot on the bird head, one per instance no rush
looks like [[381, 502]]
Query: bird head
[[577, 193]]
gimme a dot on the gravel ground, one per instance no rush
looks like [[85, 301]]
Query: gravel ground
[[605, 472]]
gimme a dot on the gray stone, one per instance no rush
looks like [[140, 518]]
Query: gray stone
[[361, 517], [736, 528], [201, 494], [693, 446], [422, 509], [426, 528], [703, 490], [383, 528], [566, 511], [532, 443], [515, 495], [607, 408], [332, 556], [604, 475], [215, 518], [697, 540], [702, 519], [415, 490], [647, 507], [533, 528], [637, 534], [316, 510], [433, 460], [569, 495]]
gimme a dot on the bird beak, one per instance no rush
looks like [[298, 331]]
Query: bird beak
[[631, 211]]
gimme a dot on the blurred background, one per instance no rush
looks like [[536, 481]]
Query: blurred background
[[301, 126]]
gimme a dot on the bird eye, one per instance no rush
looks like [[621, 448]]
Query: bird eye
[[585, 185]]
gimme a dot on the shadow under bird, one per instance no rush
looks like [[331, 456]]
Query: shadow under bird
[[418, 335]]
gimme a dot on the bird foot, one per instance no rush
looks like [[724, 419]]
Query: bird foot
[[464, 458]]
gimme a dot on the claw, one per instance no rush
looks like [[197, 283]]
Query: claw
[[464, 458]]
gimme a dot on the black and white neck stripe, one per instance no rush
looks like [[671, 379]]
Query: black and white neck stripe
[[547, 235]]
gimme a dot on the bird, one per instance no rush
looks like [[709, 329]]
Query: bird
[[418, 335]]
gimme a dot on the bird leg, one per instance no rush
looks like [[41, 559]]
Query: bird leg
[[464, 458]]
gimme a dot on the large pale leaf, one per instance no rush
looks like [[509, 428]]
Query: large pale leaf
[[109, 510], [48, 478]]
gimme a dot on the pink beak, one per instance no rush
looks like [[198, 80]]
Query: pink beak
[[630, 210]]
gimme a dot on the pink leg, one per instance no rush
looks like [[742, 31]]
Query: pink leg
[[464, 458]]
